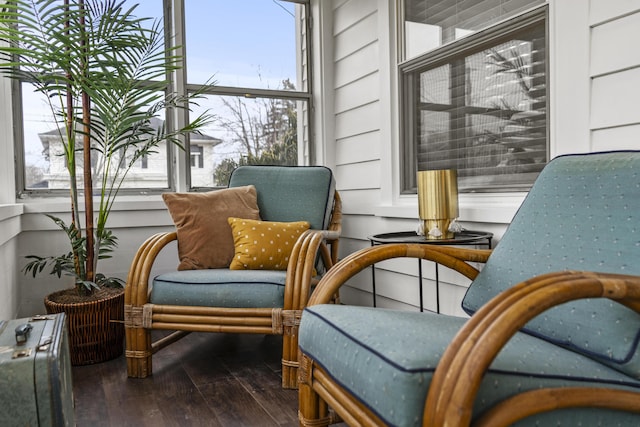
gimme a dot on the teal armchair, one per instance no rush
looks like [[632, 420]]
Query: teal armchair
[[254, 300], [554, 325]]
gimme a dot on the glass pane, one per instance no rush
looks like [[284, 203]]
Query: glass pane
[[485, 114], [38, 127], [147, 8], [43, 144], [430, 24], [45, 166], [434, 85], [246, 131], [435, 148], [242, 43]]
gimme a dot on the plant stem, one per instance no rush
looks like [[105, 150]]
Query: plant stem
[[86, 140]]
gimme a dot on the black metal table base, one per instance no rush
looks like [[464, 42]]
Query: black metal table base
[[466, 237]]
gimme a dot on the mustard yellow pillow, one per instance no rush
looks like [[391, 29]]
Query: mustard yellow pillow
[[263, 245]]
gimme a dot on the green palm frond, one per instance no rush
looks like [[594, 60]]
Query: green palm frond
[[102, 49]]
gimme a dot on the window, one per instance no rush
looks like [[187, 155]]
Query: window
[[261, 87], [260, 97], [474, 98], [197, 152]]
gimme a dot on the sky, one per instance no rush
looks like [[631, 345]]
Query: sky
[[245, 43], [235, 40]]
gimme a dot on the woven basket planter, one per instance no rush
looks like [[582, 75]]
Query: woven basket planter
[[96, 328]]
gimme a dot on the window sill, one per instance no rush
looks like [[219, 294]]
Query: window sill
[[487, 208], [128, 212], [122, 203]]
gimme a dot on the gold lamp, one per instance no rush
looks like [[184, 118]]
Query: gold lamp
[[437, 202]]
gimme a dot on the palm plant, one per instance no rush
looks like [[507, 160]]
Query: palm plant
[[104, 73]]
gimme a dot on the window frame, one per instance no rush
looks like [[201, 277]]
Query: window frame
[[178, 164], [446, 54], [175, 9]]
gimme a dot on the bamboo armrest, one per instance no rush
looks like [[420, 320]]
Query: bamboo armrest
[[452, 257], [137, 287], [459, 374], [302, 264]]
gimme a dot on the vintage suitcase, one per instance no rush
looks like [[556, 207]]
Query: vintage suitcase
[[35, 372]]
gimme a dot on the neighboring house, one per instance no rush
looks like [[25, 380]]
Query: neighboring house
[[150, 172]]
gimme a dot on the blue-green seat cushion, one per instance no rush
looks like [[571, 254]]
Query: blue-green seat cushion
[[583, 213], [386, 359], [290, 193], [220, 288]]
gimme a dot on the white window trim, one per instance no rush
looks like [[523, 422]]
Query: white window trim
[[490, 207]]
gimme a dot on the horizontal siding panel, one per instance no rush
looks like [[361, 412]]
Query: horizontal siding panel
[[614, 45], [359, 201], [364, 119], [359, 148], [407, 266], [359, 176], [351, 12], [451, 297], [389, 225], [356, 37], [359, 227], [601, 10], [619, 138], [362, 281], [357, 93], [354, 296], [410, 266], [399, 287], [614, 99], [360, 63], [348, 246]]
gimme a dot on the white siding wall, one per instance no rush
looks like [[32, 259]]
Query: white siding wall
[[595, 75], [132, 221], [615, 74], [595, 85]]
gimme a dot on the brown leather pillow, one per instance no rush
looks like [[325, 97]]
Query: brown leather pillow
[[204, 235]]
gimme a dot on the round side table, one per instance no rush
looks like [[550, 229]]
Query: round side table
[[465, 237]]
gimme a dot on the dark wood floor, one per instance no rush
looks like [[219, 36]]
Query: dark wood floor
[[202, 380]]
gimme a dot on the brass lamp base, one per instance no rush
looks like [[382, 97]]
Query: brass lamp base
[[437, 202], [437, 229]]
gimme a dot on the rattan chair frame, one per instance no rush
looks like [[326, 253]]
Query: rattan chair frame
[[141, 317], [457, 378]]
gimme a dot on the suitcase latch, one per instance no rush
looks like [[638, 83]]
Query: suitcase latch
[[22, 333], [44, 343], [25, 352], [39, 317]]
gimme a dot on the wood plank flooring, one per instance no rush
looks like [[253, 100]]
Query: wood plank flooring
[[201, 380]]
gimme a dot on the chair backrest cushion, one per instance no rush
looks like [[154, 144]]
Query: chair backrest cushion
[[582, 213], [290, 193]]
